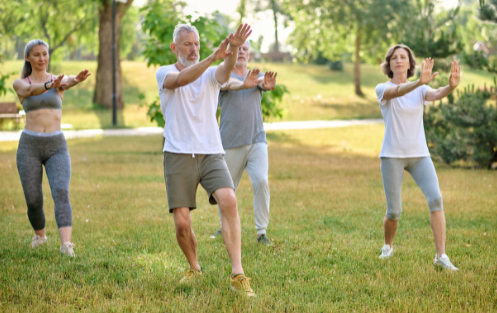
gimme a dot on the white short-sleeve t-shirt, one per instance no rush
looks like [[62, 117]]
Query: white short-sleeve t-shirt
[[404, 130], [190, 114]]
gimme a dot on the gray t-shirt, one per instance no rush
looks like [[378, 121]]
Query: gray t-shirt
[[241, 116]]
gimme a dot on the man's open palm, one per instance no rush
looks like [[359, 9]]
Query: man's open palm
[[269, 81], [240, 36], [251, 79], [220, 53]]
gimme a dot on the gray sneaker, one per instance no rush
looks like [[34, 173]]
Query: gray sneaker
[[217, 234], [264, 240], [443, 262]]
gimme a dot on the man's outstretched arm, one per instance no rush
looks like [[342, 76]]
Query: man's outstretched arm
[[193, 72], [223, 71]]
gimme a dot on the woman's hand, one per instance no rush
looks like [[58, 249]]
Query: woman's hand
[[455, 75], [426, 68], [57, 83], [82, 76]]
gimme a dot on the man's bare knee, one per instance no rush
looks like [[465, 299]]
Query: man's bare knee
[[182, 221]]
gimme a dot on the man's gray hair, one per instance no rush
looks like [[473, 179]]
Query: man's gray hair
[[181, 27]]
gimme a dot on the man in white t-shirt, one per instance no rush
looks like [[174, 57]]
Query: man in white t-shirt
[[193, 151]]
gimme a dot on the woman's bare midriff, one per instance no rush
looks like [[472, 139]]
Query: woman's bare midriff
[[44, 120]]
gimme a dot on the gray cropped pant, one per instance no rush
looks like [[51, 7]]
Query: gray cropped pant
[[254, 159], [34, 151], [423, 173]]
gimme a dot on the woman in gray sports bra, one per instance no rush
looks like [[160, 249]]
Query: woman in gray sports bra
[[42, 143]]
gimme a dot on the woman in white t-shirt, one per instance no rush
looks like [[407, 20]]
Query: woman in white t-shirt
[[404, 144]]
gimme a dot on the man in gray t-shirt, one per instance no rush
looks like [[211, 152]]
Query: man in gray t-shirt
[[243, 135]]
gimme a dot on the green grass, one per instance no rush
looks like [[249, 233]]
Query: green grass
[[316, 93], [327, 205]]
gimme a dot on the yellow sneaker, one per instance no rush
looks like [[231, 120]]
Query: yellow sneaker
[[241, 284], [190, 275]]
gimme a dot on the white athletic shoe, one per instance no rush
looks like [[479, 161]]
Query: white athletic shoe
[[386, 252], [443, 262], [38, 241], [67, 249]]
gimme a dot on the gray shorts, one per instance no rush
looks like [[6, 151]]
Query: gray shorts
[[183, 173]]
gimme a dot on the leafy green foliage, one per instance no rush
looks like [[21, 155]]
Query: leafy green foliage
[[466, 131], [433, 34], [160, 20], [488, 11], [475, 60], [3, 79], [335, 24], [271, 101]]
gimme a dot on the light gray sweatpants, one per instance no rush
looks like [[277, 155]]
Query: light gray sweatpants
[[254, 159], [423, 173]]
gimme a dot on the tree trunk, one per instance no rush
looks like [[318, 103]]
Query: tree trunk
[[103, 86], [357, 64], [275, 16]]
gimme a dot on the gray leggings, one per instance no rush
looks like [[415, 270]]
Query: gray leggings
[[423, 173], [34, 151]]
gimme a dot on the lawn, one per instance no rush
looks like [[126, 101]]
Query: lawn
[[316, 93], [327, 205]]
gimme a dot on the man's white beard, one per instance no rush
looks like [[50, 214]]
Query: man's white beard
[[240, 63], [183, 60]]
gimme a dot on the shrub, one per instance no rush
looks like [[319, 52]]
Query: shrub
[[466, 130], [336, 65]]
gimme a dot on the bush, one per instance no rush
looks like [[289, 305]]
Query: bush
[[336, 65], [465, 131], [475, 60]]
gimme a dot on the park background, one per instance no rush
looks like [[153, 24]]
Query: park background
[[327, 199]]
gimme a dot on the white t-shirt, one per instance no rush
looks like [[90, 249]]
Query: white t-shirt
[[190, 114], [404, 130]]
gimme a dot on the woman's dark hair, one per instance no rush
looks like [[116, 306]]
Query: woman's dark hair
[[385, 66], [27, 69]]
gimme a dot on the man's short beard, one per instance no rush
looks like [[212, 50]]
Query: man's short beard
[[241, 63], [183, 60]]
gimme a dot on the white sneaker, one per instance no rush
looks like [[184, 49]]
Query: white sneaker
[[67, 249], [386, 252], [444, 262], [38, 241]]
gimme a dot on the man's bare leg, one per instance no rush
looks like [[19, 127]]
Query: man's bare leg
[[185, 236], [231, 229]]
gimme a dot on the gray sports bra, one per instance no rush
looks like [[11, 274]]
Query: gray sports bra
[[50, 99]]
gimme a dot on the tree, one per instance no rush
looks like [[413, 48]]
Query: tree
[[433, 34], [103, 85], [278, 9], [160, 20], [488, 13], [332, 27], [54, 21]]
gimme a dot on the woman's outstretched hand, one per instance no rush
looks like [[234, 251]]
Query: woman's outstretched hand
[[82, 76], [57, 82], [455, 75], [426, 68]]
